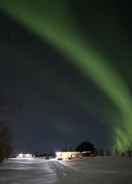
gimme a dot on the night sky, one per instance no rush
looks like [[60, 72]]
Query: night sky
[[46, 100]]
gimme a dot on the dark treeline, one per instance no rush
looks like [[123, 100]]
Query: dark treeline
[[5, 143]]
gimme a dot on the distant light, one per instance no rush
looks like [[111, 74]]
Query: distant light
[[20, 155], [58, 154], [67, 155], [28, 155], [24, 156]]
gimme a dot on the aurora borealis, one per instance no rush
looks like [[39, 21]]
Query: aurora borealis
[[56, 23]]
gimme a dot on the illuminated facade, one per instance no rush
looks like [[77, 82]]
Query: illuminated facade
[[67, 155]]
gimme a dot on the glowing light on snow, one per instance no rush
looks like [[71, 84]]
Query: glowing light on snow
[[24, 156], [20, 155]]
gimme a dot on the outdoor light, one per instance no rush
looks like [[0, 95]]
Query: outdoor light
[[20, 155], [28, 155], [58, 154], [24, 156], [67, 155]]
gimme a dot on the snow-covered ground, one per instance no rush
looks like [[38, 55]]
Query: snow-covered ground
[[89, 171]]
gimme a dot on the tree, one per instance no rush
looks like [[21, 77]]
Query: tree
[[101, 152], [5, 145], [129, 153], [86, 147], [108, 153]]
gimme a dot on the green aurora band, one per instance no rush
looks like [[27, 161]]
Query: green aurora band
[[54, 22]]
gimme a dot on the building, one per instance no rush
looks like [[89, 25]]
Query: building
[[68, 155]]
